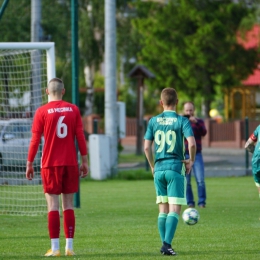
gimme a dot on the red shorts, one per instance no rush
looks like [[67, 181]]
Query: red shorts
[[60, 179]]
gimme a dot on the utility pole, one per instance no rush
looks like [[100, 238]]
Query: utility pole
[[36, 16], [75, 72], [74, 52], [111, 119], [36, 96]]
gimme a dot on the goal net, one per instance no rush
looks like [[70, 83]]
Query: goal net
[[25, 69]]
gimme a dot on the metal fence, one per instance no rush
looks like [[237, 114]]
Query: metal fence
[[227, 134]]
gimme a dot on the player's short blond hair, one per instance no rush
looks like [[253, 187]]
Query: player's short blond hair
[[169, 96], [55, 86]]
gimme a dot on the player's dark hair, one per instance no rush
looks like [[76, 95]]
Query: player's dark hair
[[169, 96]]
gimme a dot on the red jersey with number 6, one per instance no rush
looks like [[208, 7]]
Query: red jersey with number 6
[[60, 123]]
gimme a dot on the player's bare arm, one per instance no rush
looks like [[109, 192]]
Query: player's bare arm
[[192, 152], [34, 144], [250, 145], [149, 154]]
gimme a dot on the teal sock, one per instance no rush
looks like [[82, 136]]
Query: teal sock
[[161, 225], [171, 225]]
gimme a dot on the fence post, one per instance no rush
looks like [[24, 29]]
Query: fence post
[[237, 134], [95, 126], [246, 152], [146, 161]]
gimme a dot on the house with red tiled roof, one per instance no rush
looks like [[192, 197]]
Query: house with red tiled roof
[[252, 40], [242, 101]]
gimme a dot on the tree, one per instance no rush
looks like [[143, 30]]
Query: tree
[[56, 25], [192, 45], [91, 46], [15, 26], [91, 41], [15, 22]]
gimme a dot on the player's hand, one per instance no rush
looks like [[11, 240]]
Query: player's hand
[[188, 165], [83, 170], [250, 146], [29, 171]]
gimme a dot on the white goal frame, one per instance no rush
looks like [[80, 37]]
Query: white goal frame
[[48, 46], [14, 198]]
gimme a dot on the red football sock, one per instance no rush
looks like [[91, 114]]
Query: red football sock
[[54, 224], [69, 223]]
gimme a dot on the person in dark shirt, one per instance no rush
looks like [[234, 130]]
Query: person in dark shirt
[[199, 130]]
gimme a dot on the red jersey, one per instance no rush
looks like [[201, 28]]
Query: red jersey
[[60, 123]]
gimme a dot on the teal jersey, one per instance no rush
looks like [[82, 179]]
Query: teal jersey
[[256, 154], [168, 131]]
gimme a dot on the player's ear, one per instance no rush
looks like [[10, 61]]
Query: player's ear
[[47, 91], [161, 103], [63, 92]]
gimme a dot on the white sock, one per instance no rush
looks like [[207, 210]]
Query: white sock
[[69, 243], [55, 244]]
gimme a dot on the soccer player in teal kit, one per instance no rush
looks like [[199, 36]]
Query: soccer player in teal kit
[[167, 131], [253, 146]]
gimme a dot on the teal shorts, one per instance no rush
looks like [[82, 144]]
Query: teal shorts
[[256, 176], [170, 187]]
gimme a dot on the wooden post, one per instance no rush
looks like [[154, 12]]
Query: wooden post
[[238, 134], [139, 118], [140, 73]]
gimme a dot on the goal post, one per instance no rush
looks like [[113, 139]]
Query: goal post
[[25, 70], [49, 47]]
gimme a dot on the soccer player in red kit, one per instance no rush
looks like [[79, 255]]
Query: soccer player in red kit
[[60, 123]]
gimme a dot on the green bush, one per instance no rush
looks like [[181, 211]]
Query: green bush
[[132, 175]]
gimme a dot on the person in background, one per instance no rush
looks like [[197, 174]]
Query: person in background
[[167, 131], [60, 123], [199, 131]]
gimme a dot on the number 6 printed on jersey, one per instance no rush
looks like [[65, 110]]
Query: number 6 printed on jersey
[[62, 129]]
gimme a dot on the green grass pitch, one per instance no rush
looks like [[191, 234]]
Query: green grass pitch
[[118, 220]]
